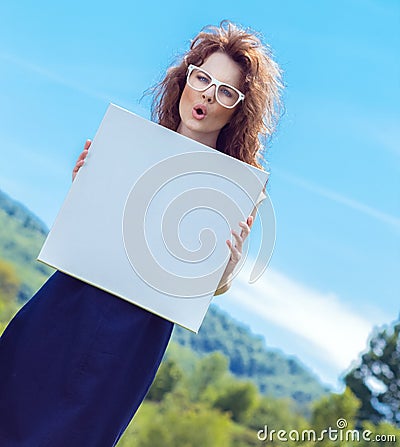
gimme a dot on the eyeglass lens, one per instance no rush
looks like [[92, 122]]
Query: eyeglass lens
[[199, 80]]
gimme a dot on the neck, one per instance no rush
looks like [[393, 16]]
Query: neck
[[209, 138]]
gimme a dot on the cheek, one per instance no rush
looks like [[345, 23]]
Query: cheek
[[186, 98], [184, 103], [225, 115]]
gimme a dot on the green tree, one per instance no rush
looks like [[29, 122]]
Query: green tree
[[329, 409], [336, 412], [376, 380], [207, 376], [9, 286], [9, 282], [276, 414], [249, 358], [168, 376], [170, 425], [238, 399], [388, 435]]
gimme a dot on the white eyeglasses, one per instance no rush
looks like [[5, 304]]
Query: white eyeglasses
[[225, 94]]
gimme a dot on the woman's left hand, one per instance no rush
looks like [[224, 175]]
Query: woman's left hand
[[236, 253]]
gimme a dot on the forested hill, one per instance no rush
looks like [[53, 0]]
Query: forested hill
[[21, 214], [275, 373], [21, 237]]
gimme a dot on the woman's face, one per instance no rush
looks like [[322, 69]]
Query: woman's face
[[202, 117]]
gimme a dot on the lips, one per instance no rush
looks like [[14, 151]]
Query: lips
[[199, 111]]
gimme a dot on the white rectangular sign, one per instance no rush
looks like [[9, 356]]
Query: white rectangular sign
[[148, 214]]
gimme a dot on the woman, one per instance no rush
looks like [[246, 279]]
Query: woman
[[76, 362]]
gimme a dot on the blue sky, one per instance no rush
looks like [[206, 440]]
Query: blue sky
[[334, 160]]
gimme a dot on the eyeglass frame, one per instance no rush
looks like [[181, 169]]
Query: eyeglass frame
[[214, 81]]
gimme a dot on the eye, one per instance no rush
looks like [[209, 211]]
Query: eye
[[227, 92], [202, 78]]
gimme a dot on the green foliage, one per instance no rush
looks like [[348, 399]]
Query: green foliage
[[183, 355], [209, 373], [239, 399], [21, 237], [389, 435], [179, 420], [168, 376], [20, 213], [206, 386], [170, 424], [274, 373], [330, 409], [9, 286], [9, 282], [277, 414], [379, 366]]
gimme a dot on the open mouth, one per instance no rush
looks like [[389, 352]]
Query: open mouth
[[199, 111]]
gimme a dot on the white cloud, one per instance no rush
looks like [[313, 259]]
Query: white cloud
[[327, 327]]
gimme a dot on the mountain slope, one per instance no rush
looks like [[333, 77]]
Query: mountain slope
[[21, 237], [274, 373]]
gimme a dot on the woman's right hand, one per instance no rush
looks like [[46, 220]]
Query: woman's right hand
[[81, 159]]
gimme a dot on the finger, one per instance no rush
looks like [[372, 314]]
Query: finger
[[235, 254], [238, 239], [85, 151], [82, 155], [79, 164], [87, 144], [250, 221], [81, 159], [245, 230]]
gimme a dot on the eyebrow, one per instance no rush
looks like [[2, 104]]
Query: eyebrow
[[223, 82]]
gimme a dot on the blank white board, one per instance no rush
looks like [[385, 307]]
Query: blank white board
[[148, 214]]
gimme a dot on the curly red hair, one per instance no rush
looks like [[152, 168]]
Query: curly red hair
[[256, 116]]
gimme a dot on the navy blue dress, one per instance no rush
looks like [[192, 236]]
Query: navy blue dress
[[75, 364]]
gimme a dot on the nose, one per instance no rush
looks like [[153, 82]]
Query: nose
[[209, 94]]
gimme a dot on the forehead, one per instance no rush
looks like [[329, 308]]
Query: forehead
[[223, 67]]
